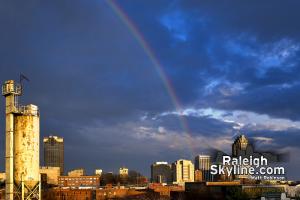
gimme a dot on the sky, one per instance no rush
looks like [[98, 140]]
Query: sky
[[128, 83]]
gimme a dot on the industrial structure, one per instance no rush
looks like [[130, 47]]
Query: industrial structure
[[22, 146]]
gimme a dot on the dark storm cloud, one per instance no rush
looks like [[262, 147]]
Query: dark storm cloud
[[83, 65], [70, 58], [265, 137], [205, 125], [279, 139], [268, 19], [94, 83], [277, 100], [249, 43]]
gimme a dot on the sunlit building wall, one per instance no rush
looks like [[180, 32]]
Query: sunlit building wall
[[54, 152]]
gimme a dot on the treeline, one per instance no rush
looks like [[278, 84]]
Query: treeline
[[133, 178]]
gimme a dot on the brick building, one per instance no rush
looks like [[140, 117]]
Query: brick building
[[52, 174], [79, 181], [68, 194]]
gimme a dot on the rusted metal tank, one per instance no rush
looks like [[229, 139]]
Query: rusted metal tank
[[26, 146]]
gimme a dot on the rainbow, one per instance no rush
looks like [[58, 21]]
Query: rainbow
[[159, 69]]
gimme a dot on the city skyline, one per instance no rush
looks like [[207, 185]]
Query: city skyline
[[132, 84]]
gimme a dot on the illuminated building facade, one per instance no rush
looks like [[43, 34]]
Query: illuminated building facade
[[54, 152]]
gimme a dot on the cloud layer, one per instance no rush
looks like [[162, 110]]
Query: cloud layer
[[234, 67]]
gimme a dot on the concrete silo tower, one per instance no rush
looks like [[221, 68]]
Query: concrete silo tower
[[22, 146]]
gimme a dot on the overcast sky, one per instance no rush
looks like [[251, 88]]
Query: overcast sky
[[234, 67]]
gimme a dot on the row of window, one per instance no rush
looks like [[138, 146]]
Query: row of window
[[79, 179]]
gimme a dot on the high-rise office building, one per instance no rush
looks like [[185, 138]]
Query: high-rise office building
[[203, 163], [161, 172], [242, 147], [98, 172], [123, 171], [183, 171], [54, 152]]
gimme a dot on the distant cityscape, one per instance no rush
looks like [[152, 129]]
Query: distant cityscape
[[178, 179], [166, 179], [24, 178]]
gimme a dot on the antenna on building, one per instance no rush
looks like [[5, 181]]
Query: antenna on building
[[20, 86], [23, 77]]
